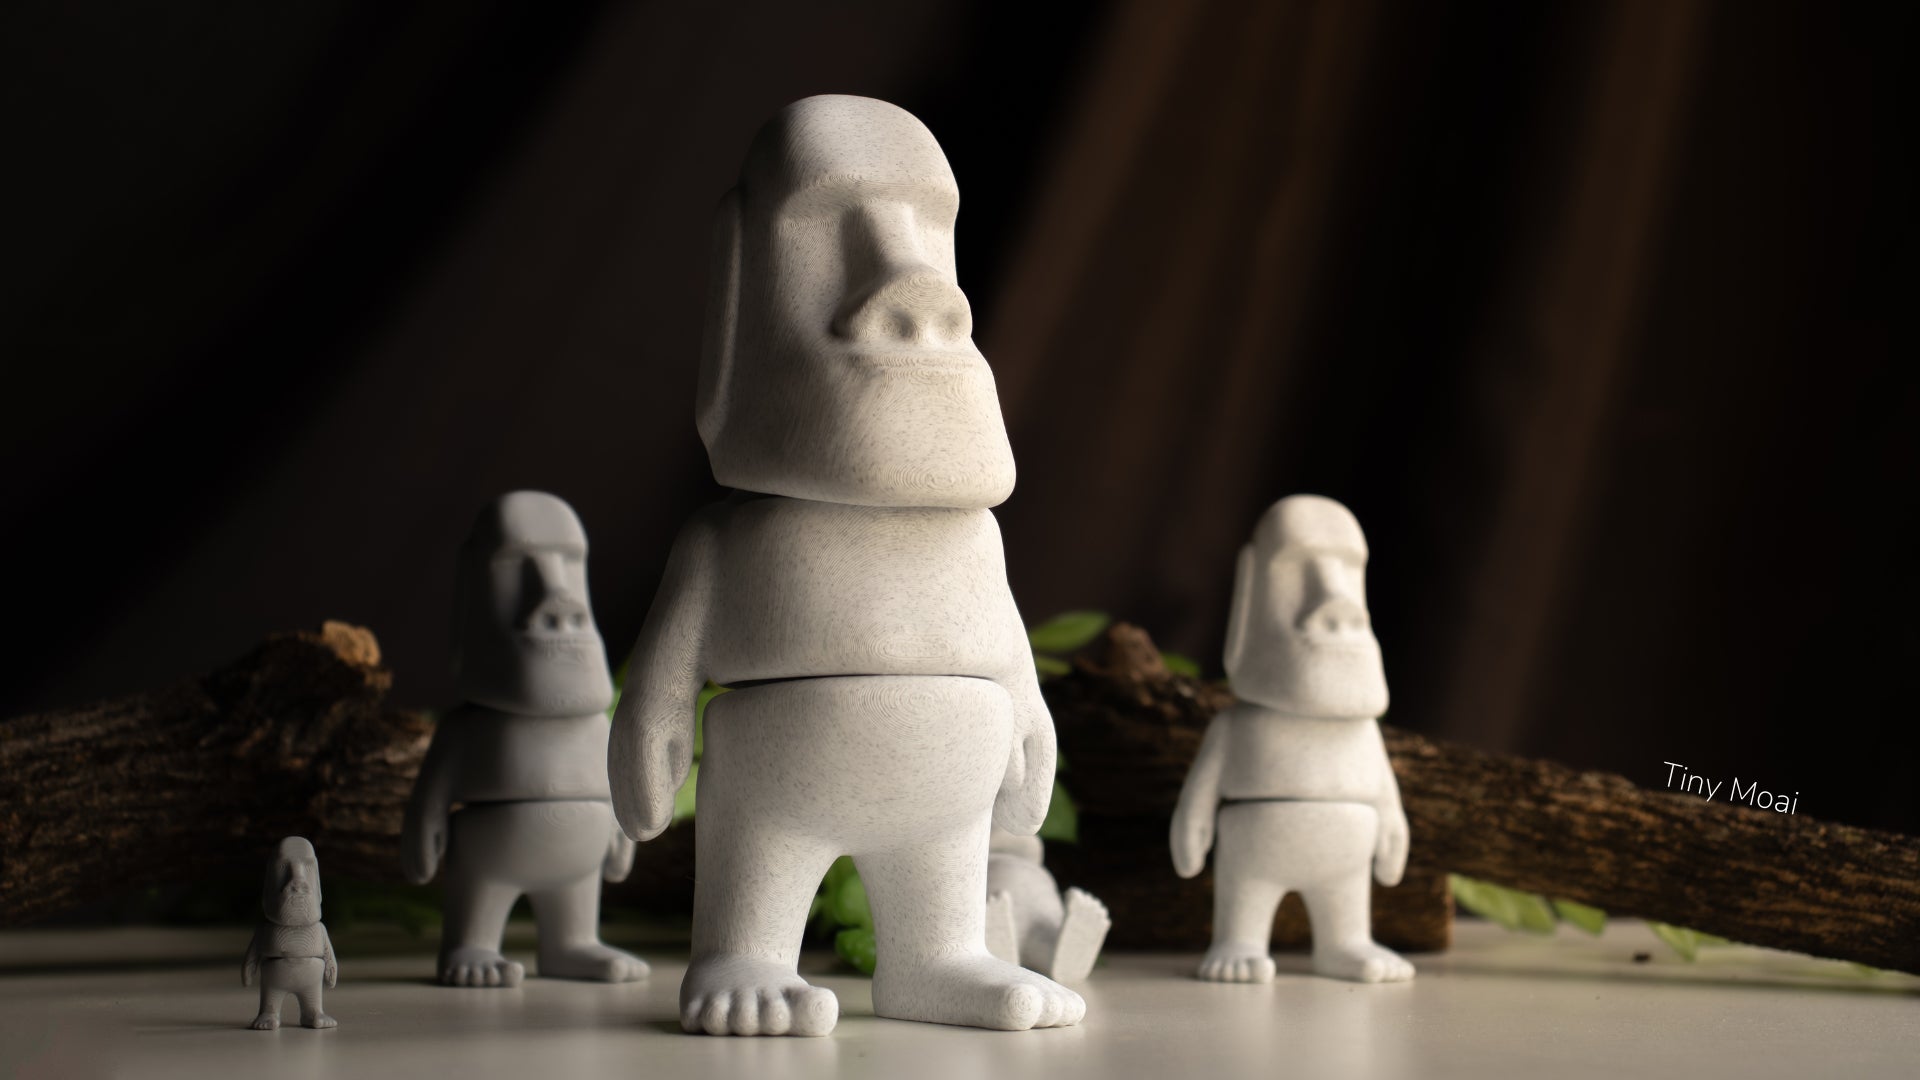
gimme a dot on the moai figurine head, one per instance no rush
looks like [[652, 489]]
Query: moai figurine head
[[1299, 639], [291, 893], [524, 637], [839, 362]]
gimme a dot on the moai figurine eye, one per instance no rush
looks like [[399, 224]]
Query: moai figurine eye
[[290, 952], [1031, 922], [853, 593], [513, 792], [1295, 777]]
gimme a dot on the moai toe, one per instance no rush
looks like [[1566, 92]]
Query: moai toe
[[739, 996], [480, 967], [1236, 964], [974, 991], [1366, 962]]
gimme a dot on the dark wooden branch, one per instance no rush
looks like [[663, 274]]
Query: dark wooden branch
[[1128, 730], [295, 738]]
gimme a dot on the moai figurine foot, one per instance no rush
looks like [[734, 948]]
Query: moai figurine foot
[[513, 792], [290, 952], [1296, 774], [853, 593], [1031, 922]]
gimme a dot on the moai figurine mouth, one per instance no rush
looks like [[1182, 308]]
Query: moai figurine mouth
[[513, 792], [1295, 776], [290, 952], [853, 592], [1031, 922]]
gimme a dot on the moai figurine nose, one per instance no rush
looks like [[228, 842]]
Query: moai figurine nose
[[525, 758], [1294, 780], [290, 952], [853, 591]]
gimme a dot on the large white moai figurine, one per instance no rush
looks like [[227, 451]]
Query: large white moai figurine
[[1296, 774], [513, 792], [290, 952], [1031, 922], [853, 593]]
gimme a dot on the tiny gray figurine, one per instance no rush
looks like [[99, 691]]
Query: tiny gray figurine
[[513, 792], [290, 952]]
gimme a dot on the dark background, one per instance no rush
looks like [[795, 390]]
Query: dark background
[[1588, 311]]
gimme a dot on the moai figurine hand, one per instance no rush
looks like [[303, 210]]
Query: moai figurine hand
[[853, 593], [513, 791], [1031, 922], [1296, 773], [290, 952]]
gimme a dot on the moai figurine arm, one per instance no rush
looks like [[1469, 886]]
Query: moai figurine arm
[[423, 833], [332, 972], [1390, 849], [1200, 800], [651, 747], [1027, 788], [250, 967], [619, 862]]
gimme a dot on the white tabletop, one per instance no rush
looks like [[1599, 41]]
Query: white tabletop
[[167, 1003]]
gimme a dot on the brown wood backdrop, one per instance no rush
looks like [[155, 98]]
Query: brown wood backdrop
[[1591, 312]]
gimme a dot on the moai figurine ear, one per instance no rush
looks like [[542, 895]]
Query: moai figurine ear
[[290, 952], [1031, 922], [853, 593], [513, 792], [1295, 774]]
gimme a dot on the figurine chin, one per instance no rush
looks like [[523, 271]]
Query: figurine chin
[[1316, 679]]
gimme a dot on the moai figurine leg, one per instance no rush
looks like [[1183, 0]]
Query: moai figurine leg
[[1295, 776], [1056, 934]]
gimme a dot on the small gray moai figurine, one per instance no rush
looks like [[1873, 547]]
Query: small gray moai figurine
[[290, 952], [852, 592], [513, 792], [1031, 922], [1296, 773]]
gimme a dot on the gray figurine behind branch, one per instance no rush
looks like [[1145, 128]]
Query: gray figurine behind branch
[[290, 952], [1296, 773], [513, 792]]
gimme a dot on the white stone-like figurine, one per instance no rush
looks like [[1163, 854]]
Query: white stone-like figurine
[[290, 952], [1296, 773], [513, 792], [1031, 922], [853, 593]]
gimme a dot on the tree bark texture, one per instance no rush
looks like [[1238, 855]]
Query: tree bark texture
[[1129, 729]]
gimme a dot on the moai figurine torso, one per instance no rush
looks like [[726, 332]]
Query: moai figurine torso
[[853, 593], [290, 952], [1295, 773], [513, 791], [1031, 922]]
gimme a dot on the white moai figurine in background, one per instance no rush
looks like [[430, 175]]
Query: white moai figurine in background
[[290, 952], [1031, 922], [1296, 773], [513, 792], [852, 592]]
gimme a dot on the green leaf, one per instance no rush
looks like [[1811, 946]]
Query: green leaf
[[1050, 666], [1068, 632], [1590, 919], [856, 947], [683, 799], [1063, 819], [1510, 908], [848, 902], [1181, 664], [1679, 938], [1865, 969], [1706, 940]]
